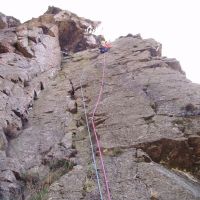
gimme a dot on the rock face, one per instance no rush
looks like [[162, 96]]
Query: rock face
[[74, 32], [30, 56], [147, 120], [147, 117], [8, 21]]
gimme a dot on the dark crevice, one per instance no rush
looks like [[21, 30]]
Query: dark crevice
[[149, 119], [153, 66], [1, 77], [137, 51], [21, 50], [190, 110], [154, 106], [14, 81], [99, 121], [17, 113], [83, 86], [98, 115], [41, 86], [47, 31], [33, 39], [72, 91], [190, 107], [153, 52], [20, 79], [35, 96], [22, 116], [145, 89], [6, 92], [17, 175], [175, 153], [26, 83]]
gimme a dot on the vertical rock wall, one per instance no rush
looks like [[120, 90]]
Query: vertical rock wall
[[147, 120], [30, 57]]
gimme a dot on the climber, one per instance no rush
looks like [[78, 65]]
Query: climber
[[104, 47]]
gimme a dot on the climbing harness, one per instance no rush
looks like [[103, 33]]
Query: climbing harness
[[96, 137], [90, 138]]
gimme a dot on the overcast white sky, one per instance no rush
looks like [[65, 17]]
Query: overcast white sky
[[174, 23]]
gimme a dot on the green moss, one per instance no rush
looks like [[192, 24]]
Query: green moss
[[116, 151], [39, 188], [56, 164], [40, 195], [88, 185], [90, 171]]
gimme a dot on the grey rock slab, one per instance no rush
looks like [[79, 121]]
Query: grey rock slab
[[130, 178], [45, 128], [69, 186], [146, 102], [145, 98]]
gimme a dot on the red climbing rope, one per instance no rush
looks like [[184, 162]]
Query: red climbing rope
[[95, 133]]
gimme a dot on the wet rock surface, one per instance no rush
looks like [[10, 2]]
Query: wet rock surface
[[147, 120]]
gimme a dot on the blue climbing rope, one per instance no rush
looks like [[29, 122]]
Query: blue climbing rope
[[90, 138]]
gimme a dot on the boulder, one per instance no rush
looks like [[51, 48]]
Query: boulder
[[70, 24]]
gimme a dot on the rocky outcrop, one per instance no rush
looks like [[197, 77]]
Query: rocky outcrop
[[28, 59], [8, 21], [32, 50], [30, 56], [147, 120], [75, 33], [25, 67]]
